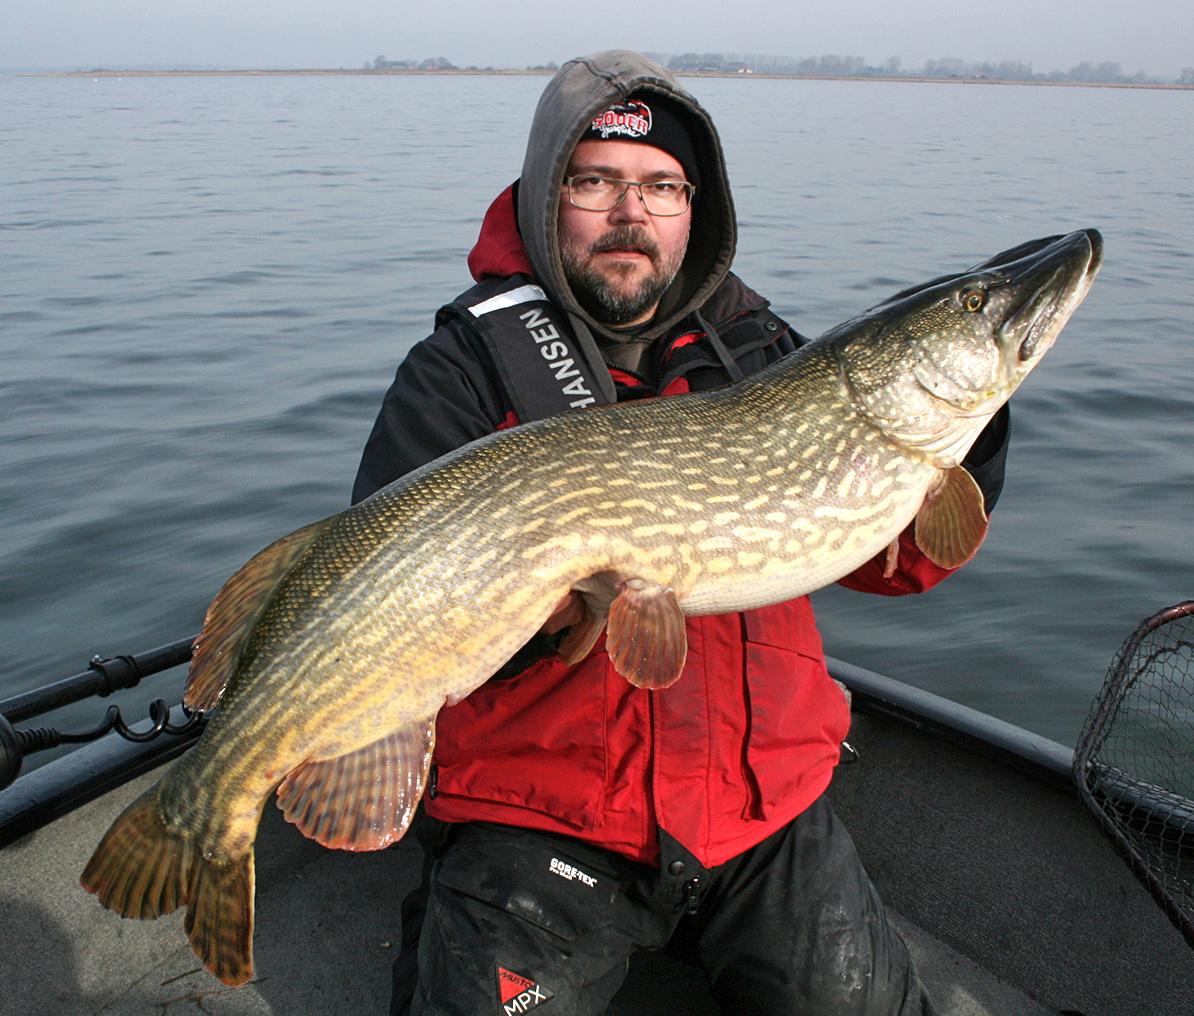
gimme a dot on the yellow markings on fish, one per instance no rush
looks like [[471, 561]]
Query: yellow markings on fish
[[574, 495], [624, 520], [754, 534], [659, 529]]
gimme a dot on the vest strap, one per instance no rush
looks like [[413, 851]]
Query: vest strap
[[542, 365]]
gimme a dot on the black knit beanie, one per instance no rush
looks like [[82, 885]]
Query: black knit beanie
[[650, 119]]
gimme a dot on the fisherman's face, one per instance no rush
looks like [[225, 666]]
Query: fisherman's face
[[620, 262]]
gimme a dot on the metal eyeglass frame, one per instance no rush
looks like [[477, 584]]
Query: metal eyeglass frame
[[689, 189]]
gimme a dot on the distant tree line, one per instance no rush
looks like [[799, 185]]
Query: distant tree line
[[435, 63], [832, 65]]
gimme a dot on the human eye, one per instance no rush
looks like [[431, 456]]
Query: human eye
[[665, 188], [590, 184]]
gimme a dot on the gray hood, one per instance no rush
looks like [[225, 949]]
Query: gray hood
[[583, 88]]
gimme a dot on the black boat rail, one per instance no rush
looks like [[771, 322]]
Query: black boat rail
[[102, 678]]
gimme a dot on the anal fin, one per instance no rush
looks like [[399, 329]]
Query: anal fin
[[952, 522], [647, 641], [363, 800]]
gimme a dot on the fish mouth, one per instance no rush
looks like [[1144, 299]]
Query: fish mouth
[[1055, 274]]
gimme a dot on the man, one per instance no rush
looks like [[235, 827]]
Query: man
[[570, 817]]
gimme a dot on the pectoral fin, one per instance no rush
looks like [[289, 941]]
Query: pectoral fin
[[235, 611], [363, 800], [951, 523], [582, 636], [647, 642]]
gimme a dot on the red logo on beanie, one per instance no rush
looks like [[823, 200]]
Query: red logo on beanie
[[631, 119]]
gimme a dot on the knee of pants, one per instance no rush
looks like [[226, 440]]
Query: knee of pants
[[500, 927]]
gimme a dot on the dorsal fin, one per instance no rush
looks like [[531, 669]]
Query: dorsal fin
[[363, 800], [234, 612], [951, 523]]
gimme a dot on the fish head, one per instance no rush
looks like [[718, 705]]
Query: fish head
[[931, 365]]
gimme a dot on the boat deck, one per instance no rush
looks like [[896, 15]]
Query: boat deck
[[1010, 898], [327, 930]]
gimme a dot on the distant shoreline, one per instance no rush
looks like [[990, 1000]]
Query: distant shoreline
[[545, 73]]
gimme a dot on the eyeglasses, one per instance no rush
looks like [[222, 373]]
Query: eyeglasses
[[604, 194]]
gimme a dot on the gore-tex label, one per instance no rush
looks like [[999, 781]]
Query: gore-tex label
[[570, 873]]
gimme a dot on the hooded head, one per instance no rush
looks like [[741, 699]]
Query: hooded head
[[624, 97]]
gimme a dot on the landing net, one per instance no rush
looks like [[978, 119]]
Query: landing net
[[1134, 763]]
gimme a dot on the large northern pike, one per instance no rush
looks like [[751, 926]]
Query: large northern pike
[[331, 652]]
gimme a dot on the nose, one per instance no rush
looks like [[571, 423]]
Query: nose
[[630, 208]]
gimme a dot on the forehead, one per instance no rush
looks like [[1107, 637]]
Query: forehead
[[627, 160]]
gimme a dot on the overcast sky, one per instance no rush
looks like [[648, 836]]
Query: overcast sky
[[1156, 36]]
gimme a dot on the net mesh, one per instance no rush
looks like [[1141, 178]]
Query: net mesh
[[1134, 763]]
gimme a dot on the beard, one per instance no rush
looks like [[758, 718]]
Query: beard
[[609, 296]]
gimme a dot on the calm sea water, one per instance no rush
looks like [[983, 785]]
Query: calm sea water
[[208, 282]]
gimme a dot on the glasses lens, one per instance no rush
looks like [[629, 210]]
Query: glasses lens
[[595, 193], [666, 197], [601, 194]]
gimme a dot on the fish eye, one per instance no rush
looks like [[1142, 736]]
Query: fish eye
[[973, 300]]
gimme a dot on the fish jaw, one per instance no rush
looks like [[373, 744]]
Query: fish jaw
[[932, 365]]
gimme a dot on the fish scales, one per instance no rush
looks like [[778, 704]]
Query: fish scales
[[429, 519], [331, 652]]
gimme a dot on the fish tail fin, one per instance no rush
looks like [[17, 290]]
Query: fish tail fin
[[220, 917], [142, 868]]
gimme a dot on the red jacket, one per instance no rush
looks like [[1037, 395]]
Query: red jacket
[[744, 741]]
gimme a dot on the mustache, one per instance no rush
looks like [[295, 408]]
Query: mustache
[[626, 236]]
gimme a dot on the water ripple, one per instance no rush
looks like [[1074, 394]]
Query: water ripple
[[209, 283]]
